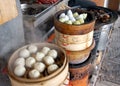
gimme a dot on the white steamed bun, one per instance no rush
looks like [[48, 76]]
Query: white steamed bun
[[34, 74], [48, 60], [53, 53], [39, 66], [52, 68], [39, 56], [32, 48], [24, 53], [19, 61], [19, 70], [45, 50], [30, 61]]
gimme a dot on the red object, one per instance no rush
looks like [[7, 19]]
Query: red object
[[51, 38], [46, 1], [81, 82], [4, 70]]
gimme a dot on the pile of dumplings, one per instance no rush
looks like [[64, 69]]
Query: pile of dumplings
[[37, 61], [72, 18]]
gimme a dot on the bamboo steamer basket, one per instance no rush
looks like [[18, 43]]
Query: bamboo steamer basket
[[76, 57], [74, 42], [54, 79], [66, 82], [79, 73], [74, 37]]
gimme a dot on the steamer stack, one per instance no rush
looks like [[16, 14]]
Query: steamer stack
[[77, 41]]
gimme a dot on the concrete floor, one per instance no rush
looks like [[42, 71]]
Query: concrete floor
[[109, 73]]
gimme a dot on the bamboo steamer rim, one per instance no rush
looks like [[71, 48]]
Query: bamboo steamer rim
[[53, 46], [91, 23], [74, 54], [87, 62], [80, 65], [86, 50]]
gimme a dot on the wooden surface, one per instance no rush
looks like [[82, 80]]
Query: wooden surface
[[99, 2], [8, 10], [113, 4]]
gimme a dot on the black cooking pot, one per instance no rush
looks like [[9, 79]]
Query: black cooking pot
[[113, 15]]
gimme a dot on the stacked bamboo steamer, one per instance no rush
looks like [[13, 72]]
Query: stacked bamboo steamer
[[77, 41]]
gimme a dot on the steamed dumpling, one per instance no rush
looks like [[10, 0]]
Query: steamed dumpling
[[53, 53], [76, 22], [19, 61], [81, 21], [45, 50], [32, 48], [48, 60], [76, 14], [62, 20], [84, 15], [19, 70], [52, 68], [80, 17], [30, 61], [66, 18], [39, 56], [24, 53], [69, 22], [34, 74], [69, 12], [72, 19], [62, 15], [39, 66]]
